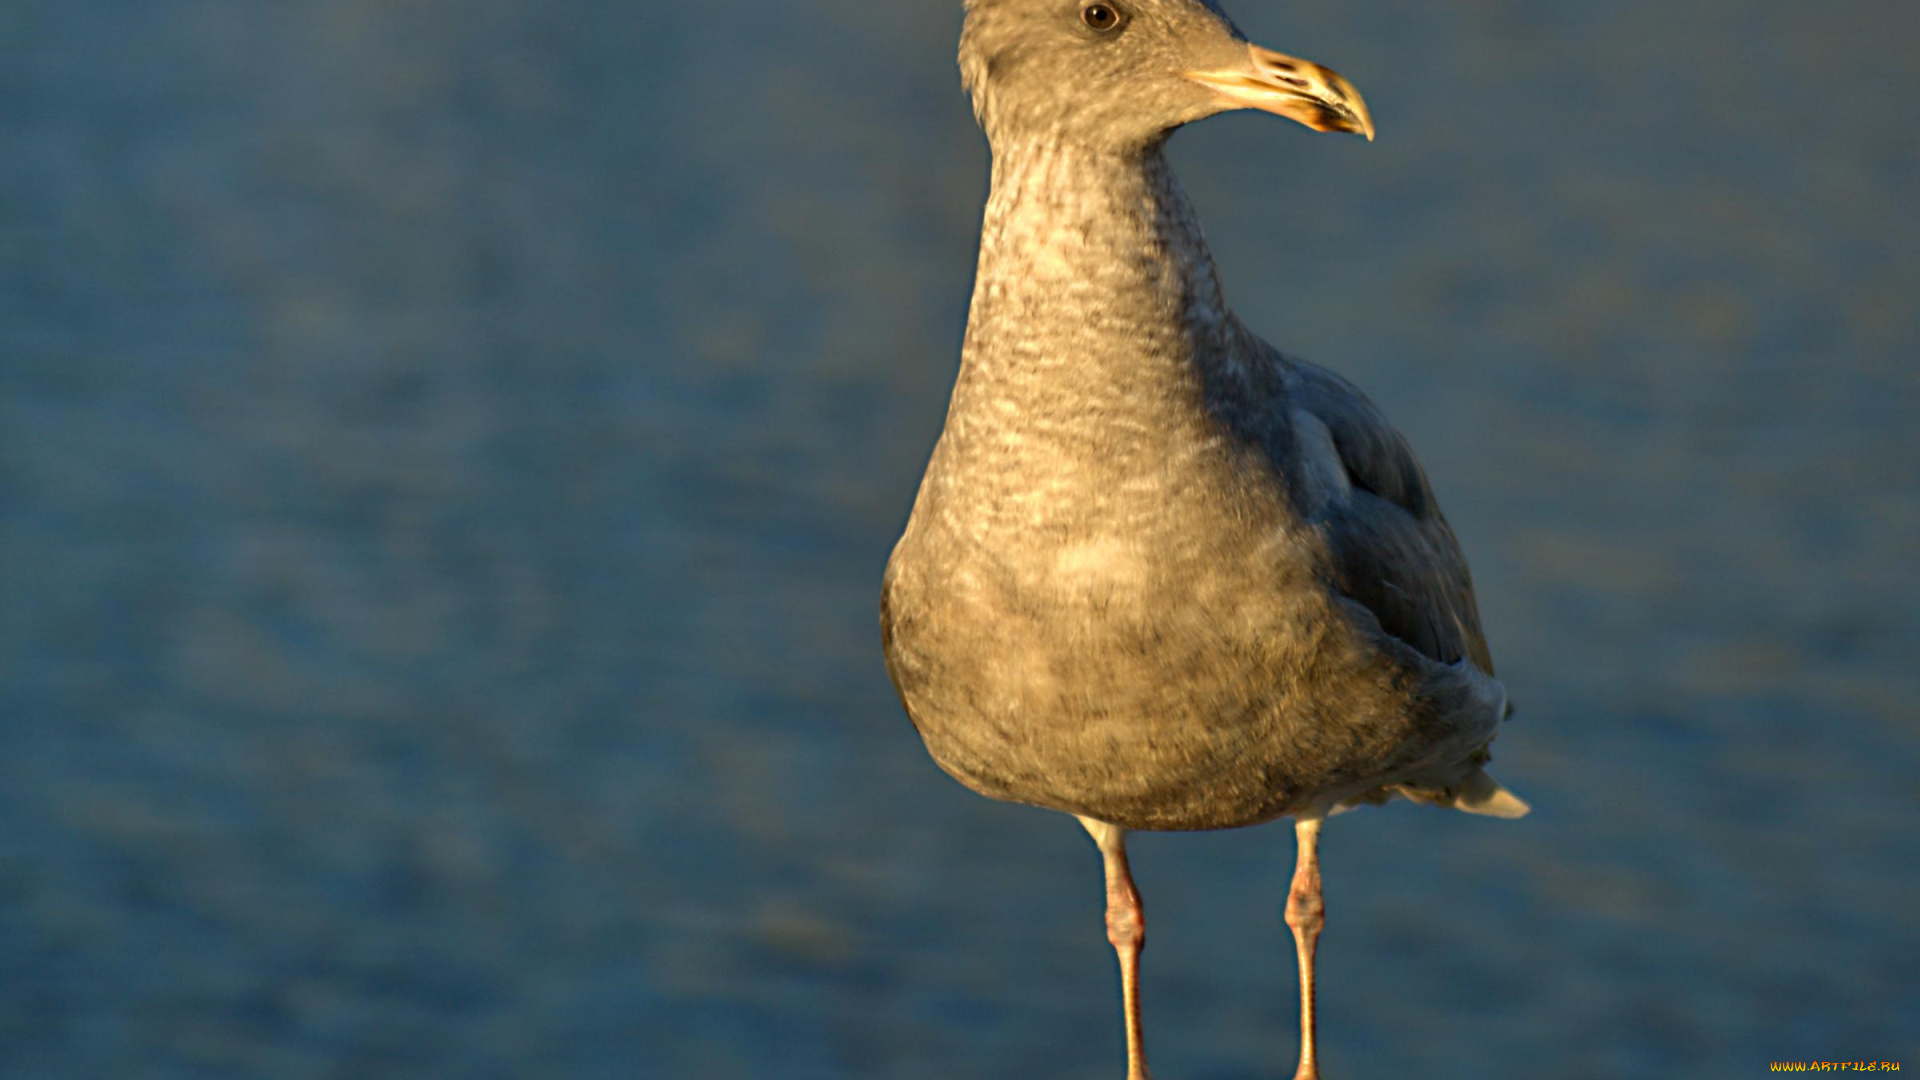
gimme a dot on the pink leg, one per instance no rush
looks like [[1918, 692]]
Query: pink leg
[[1306, 914], [1127, 930]]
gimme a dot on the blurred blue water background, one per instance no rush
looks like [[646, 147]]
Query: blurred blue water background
[[448, 452]]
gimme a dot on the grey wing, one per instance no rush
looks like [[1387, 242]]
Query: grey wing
[[1357, 481]]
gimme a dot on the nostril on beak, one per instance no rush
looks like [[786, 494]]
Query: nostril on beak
[[1282, 71]]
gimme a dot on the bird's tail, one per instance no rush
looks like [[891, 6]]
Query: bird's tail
[[1480, 793]]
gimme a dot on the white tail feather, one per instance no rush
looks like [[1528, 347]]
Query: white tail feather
[[1482, 794]]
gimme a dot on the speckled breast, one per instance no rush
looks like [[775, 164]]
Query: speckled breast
[[1153, 682]]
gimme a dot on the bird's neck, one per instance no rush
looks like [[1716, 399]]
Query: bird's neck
[[1094, 281], [1073, 234], [1096, 329]]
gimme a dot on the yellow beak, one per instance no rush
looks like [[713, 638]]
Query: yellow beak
[[1296, 89]]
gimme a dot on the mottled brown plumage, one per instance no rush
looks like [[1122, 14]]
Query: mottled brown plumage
[[1160, 575]]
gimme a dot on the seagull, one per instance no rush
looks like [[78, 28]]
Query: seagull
[[1160, 575]]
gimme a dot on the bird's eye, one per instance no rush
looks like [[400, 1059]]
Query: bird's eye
[[1101, 17]]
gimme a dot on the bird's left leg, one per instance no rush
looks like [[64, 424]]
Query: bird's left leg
[[1306, 914], [1127, 930]]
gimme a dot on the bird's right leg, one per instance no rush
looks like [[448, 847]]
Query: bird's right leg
[[1127, 930]]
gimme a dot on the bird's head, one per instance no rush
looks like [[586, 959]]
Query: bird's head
[[1120, 73]]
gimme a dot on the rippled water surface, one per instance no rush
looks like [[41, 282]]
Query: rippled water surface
[[448, 452]]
